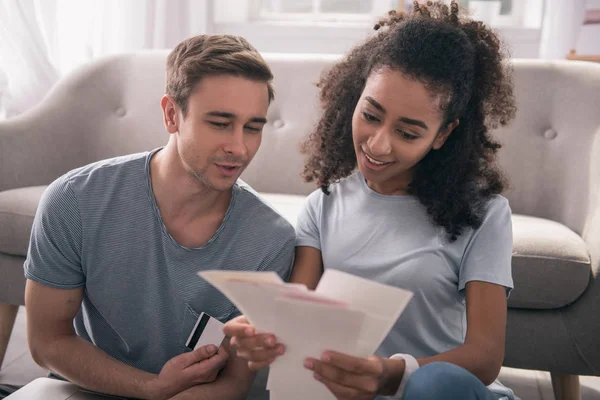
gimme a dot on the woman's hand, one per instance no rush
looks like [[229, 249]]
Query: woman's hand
[[352, 378], [260, 350]]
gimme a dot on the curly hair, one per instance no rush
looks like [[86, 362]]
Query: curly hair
[[452, 56]]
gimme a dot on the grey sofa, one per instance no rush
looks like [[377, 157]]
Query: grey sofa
[[551, 155]]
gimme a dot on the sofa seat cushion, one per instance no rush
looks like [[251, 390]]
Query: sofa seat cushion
[[17, 210], [551, 264]]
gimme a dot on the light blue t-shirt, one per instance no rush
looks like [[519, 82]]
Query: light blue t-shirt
[[99, 227], [392, 240]]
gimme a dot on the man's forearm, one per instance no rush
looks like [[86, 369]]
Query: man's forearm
[[220, 389], [87, 366]]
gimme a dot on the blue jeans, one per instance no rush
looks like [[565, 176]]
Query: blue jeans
[[441, 380]]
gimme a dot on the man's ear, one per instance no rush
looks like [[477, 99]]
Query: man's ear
[[170, 113], [444, 134]]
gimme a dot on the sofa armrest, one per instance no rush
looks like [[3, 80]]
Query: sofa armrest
[[39, 145], [591, 230], [582, 318], [103, 109]]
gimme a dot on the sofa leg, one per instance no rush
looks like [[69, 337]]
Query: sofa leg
[[566, 387], [8, 314]]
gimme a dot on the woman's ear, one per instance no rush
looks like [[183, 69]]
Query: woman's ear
[[444, 134]]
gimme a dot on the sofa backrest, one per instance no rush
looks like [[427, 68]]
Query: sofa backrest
[[551, 151]]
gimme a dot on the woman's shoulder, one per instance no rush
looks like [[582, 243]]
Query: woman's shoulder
[[497, 205]]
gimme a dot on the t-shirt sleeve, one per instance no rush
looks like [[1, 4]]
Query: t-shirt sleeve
[[54, 254], [281, 262], [488, 255], [307, 227]]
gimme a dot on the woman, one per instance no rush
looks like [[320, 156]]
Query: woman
[[410, 197]]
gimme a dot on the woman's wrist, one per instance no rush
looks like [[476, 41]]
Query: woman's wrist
[[410, 366], [394, 371]]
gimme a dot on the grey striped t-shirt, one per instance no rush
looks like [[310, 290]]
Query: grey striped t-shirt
[[99, 227]]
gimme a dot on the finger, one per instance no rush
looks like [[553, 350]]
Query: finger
[[238, 326], [339, 391], [192, 357], [248, 343], [222, 352], [260, 354], [207, 366], [356, 365], [257, 366], [362, 383]]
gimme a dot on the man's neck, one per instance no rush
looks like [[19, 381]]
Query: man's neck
[[179, 195]]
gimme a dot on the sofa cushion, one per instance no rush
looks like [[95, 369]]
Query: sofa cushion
[[551, 264], [17, 210], [288, 205]]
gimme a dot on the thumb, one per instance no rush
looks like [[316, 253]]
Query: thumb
[[198, 355]]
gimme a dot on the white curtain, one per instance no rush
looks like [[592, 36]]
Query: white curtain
[[41, 40], [561, 27]]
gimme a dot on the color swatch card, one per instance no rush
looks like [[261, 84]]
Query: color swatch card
[[346, 313]]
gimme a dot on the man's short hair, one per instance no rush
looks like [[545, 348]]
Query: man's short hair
[[205, 55]]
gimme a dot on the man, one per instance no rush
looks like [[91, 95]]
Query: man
[[116, 245]]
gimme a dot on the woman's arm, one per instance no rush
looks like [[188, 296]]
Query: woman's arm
[[308, 267], [483, 351]]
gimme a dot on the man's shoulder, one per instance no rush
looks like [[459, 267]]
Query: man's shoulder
[[111, 167]]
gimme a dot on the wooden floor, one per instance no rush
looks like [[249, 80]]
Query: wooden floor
[[19, 369]]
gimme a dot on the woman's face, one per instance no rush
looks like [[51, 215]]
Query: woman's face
[[395, 124]]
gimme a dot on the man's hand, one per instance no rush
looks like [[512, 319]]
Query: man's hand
[[259, 350], [189, 369], [352, 378]]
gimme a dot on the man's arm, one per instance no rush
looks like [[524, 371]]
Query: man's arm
[[233, 382], [55, 345]]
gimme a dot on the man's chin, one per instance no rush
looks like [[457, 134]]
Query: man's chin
[[223, 184]]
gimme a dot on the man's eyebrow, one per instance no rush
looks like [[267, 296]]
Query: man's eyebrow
[[228, 115], [221, 114], [406, 120]]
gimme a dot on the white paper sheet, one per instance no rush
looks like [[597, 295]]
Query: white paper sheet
[[346, 313], [382, 304]]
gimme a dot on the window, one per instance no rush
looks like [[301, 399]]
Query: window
[[497, 13], [335, 26], [322, 10], [507, 13]]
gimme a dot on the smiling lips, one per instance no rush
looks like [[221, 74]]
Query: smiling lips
[[373, 163]]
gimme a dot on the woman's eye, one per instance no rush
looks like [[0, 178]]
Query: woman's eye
[[407, 135], [253, 129], [369, 117]]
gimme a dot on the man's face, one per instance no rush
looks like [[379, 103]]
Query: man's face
[[222, 129]]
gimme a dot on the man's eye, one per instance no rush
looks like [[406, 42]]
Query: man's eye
[[219, 124], [253, 129]]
